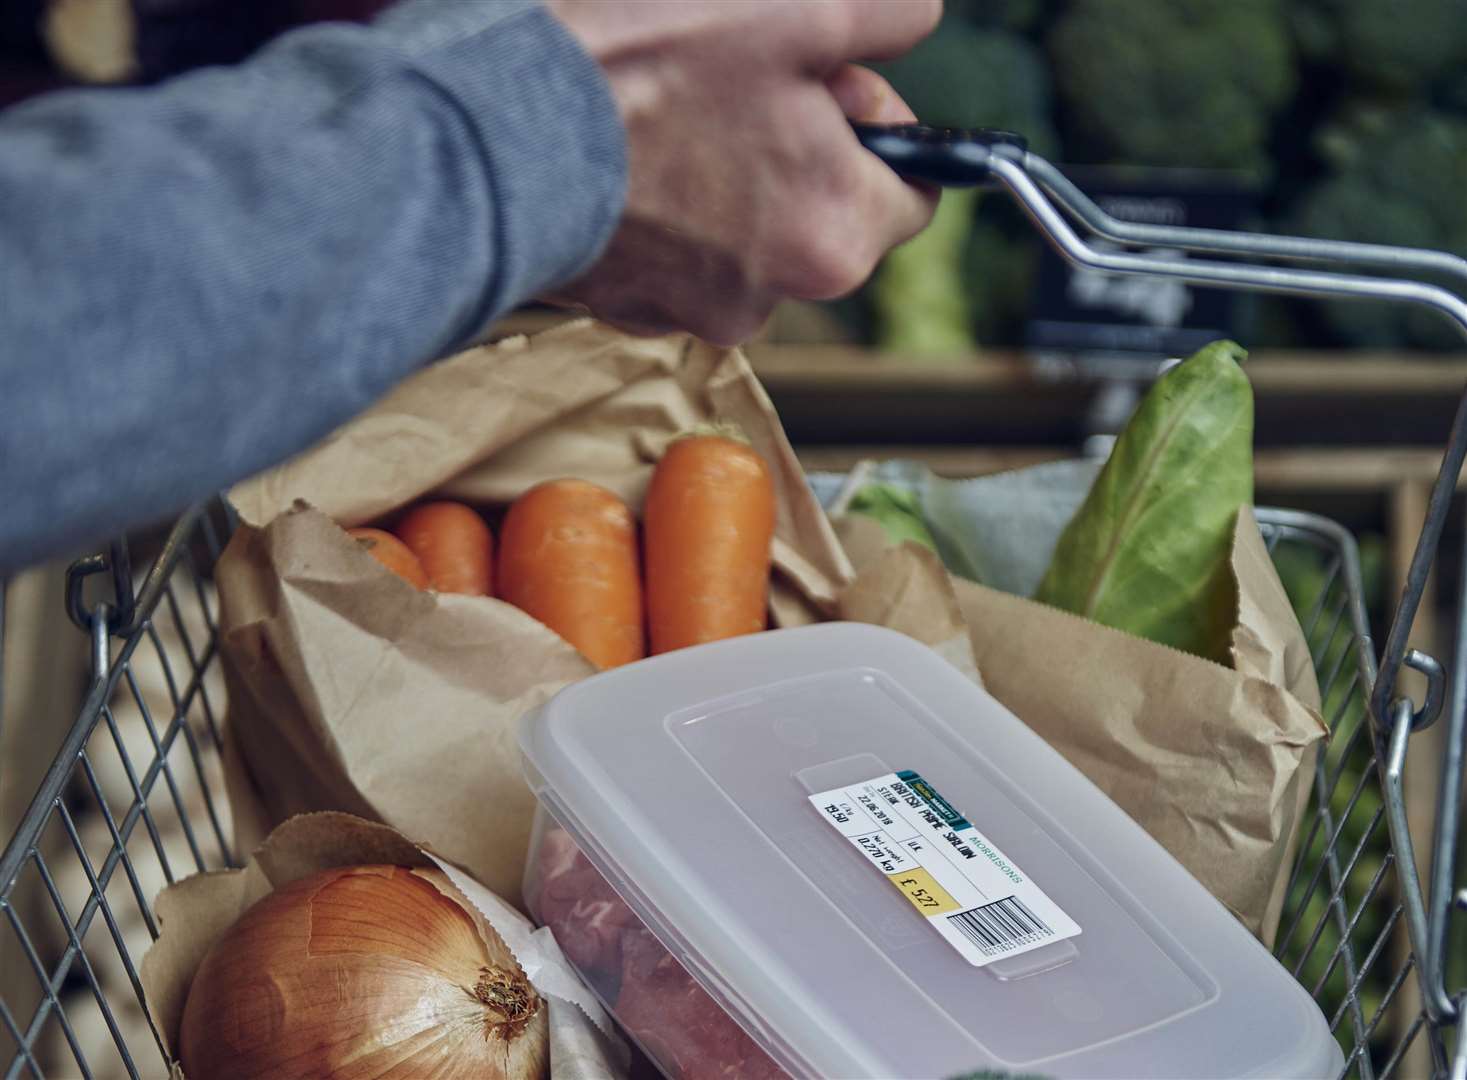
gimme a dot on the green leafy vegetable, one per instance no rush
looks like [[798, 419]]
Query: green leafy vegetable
[[896, 509], [1147, 552]]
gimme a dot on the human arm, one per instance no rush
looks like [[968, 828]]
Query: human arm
[[199, 279]]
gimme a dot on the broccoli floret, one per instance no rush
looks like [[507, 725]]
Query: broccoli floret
[[1399, 181], [1394, 47], [964, 76], [1172, 82]]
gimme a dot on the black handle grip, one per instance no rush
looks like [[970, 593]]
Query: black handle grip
[[949, 157]]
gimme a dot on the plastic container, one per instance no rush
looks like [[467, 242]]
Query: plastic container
[[735, 926]]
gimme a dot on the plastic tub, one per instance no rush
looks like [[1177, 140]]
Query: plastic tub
[[825, 851]]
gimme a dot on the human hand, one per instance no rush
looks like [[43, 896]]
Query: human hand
[[746, 184]]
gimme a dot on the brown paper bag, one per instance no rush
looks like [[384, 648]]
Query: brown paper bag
[[195, 913], [904, 588], [1214, 763], [349, 690]]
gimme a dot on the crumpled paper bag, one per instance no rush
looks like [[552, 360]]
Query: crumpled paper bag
[[904, 588], [195, 912], [1215, 763], [349, 690]]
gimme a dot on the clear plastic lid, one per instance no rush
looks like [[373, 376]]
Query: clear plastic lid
[[879, 871]]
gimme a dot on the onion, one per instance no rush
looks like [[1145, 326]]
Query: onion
[[363, 972]]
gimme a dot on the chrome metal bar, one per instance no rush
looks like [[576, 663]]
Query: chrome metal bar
[[1440, 1008], [162, 568], [1218, 241], [1224, 275], [1448, 812], [1012, 170], [39, 810], [1394, 719]]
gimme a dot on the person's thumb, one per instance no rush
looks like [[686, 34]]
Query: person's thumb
[[864, 95]]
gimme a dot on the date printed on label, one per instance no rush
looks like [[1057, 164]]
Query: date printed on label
[[969, 892]]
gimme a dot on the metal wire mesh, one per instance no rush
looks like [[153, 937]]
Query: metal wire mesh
[[135, 801], [1342, 934]]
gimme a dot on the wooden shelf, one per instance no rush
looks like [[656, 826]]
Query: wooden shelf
[[851, 368], [1328, 469], [838, 395]]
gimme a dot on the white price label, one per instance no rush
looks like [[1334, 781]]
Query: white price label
[[971, 893]]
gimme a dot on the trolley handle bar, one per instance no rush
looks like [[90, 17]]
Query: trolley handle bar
[[966, 158]]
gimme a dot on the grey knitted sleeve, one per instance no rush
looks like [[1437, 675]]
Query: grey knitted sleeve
[[199, 279]]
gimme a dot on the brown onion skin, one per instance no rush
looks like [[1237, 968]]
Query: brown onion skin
[[361, 973]]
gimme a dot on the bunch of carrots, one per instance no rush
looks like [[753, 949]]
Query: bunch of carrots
[[568, 554]]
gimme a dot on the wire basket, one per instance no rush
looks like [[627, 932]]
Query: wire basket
[[1358, 931], [134, 800]]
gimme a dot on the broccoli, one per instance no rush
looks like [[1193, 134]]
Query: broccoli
[[1394, 47], [1399, 179], [964, 76], [1172, 82], [925, 295]]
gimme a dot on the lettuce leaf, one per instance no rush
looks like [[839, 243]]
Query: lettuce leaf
[[1147, 552]]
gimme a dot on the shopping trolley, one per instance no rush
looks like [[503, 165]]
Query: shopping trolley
[[125, 807]]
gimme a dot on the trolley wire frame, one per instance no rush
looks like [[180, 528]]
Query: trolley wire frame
[[1341, 933], [1357, 926]]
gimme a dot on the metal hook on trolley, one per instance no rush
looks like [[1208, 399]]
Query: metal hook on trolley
[[128, 602], [1436, 688], [118, 561]]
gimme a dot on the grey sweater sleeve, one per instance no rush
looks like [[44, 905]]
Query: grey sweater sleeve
[[200, 279]]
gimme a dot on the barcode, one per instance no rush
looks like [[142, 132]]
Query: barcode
[[1000, 926]]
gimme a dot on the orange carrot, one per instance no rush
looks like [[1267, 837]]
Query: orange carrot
[[708, 521], [393, 554], [454, 545], [568, 556]]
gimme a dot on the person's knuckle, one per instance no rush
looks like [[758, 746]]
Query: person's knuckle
[[828, 262]]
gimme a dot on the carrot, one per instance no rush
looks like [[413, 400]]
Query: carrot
[[708, 521], [454, 545], [393, 554], [568, 556]]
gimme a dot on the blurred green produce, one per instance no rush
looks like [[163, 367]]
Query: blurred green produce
[[933, 294], [967, 75], [1400, 178], [921, 301], [897, 509], [1397, 48], [999, 267], [1350, 112], [1183, 82]]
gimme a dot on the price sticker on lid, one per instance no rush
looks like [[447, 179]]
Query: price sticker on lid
[[972, 894]]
